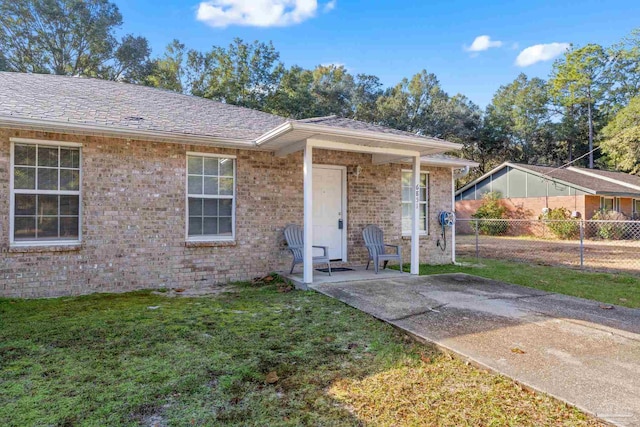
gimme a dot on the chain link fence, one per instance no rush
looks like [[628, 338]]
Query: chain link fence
[[589, 244]]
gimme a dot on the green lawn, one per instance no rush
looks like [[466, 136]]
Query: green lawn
[[609, 288], [253, 357]]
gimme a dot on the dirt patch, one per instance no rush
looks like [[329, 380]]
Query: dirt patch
[[615, 256]]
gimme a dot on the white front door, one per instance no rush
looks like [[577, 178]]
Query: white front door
[[329, 210]]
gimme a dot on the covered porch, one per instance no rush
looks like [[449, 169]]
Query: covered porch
[[381, 148]]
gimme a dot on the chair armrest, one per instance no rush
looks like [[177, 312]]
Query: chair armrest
[[325, 249], [398, 248]]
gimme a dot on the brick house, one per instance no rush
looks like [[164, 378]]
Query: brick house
[[527, 189], [109, 187]]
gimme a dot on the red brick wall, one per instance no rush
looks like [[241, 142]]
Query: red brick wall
[[529, 207]]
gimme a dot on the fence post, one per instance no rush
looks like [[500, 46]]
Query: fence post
[[582, 244], [477, 247]]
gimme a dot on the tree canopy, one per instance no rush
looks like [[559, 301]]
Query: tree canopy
[[591, 97]]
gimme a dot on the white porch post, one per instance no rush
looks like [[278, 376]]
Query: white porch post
[[415, 218], [308, 214]]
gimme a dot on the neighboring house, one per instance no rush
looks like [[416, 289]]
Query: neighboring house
[[527, 189], [108, 187]]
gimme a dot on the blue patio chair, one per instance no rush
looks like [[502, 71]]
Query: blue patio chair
[[374, 241], [294, 234]]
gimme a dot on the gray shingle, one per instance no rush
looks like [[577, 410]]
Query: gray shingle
[[89, 101], [335, 121]]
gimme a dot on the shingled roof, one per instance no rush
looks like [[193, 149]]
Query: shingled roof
[[588, 180], [88, 101], [116, 105], [340, 122]]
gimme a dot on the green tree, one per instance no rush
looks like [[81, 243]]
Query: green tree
[[130, 62], [71, 37], [241, 74], [621, 138], [580, 78], [520, 119], [624, 73], [414, 105], [167, 72]]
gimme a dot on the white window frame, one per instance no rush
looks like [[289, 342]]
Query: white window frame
[[12, 192], [406, 233], [211, 238], [615, 203], [634, 206]]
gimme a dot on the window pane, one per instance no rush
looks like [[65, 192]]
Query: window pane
[[423, 194], [69, 205], [25, 155], [406, 226], [69, 180], [211, 166], [423, 179], [24, 178], [24, 228], [210, 226], [195, 226], [69, 228], [69, 158], [226, 186], [406, 179], [195, 185], [225, 226], [195, 207], [195, 165], [47, 179], [226, 167], [47, 227], [48, 156], [48, 205], [210, 207], [407, 194], [25, 204], [406, 210], [226, 207], [210, 186]]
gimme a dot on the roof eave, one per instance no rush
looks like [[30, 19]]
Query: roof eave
[[418, 142], [99, 130]]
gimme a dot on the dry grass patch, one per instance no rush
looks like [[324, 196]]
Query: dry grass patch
[[448, 392]]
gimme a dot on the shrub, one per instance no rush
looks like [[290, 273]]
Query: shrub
[[610, 230], [561, 224], [491, 208]]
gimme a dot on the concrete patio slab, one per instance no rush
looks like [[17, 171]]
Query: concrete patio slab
[[580, 351]]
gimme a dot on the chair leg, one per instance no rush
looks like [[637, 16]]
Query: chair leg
[[368, 261], [376, 264], [329, 264], [401, 265], [293, 264]]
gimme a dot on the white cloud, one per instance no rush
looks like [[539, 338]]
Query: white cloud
[[258, 13], [540, 52], [328, 7], [483, 43]]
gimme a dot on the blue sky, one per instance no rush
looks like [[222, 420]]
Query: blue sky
[[394, 39]]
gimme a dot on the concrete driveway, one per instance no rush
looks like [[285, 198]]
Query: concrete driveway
[[577, 350]]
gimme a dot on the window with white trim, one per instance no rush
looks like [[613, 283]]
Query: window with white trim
[[407, 201], [210, 197], [610, 204], [45, 193]]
